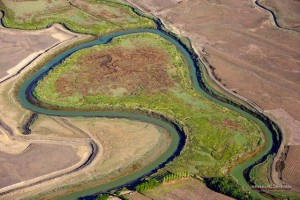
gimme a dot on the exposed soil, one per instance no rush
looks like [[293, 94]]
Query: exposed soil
[[291, 171], [136, 196], [37, 160], [17, 46], [186, 188], [52, 127], [144, 143], [118, 71], [287, 12]]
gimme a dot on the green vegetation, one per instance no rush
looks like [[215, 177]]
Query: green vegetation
[[175, 176], [97, 17], [103, 197], [216, 136], [149, 184], [229, 186], [261, 172]]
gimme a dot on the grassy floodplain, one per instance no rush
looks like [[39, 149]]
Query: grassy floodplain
[[89, 17], [216, 136]]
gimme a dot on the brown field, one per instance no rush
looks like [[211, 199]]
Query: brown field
[[288, 12], [291, 171], [136, 196], [52, 127], [186, 188], [144, 142], [36, 160], [115, 67], [18, 47]]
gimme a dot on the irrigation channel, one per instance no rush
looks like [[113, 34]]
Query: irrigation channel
[[178, 138]]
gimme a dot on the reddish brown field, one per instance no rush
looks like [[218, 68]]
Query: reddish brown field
[[182, 189], [287, 11], [291, 172], [37, 160], [117, 67]]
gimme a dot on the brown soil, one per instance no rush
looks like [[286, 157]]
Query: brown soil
[[288, 12], [136, 196], [291, 171], [17, 45], [106, 71], [186, 188], [36, 160]]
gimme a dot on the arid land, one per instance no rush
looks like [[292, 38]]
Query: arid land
[[182, 188]]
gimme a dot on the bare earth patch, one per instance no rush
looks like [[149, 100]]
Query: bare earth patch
[[291, 171], [288, 12], [124, 146], [182, 189], [52, 127], [36, 160], [18, 48]]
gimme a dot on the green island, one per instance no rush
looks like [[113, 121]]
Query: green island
[[146, 72]]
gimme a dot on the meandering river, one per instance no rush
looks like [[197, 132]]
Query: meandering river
[[25, 93]]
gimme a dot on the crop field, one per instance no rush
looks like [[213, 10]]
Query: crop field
[[216, 135], [91, 17]]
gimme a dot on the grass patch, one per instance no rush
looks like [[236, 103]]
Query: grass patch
[[87, 17]]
